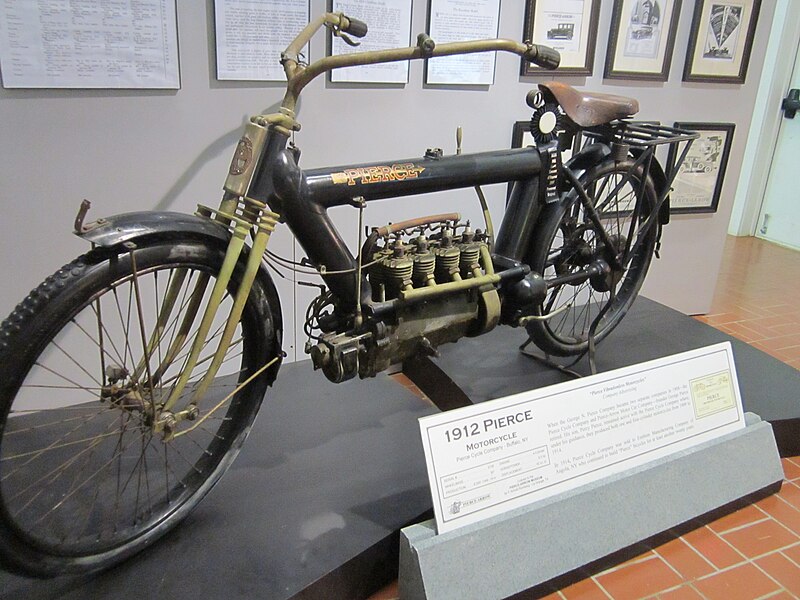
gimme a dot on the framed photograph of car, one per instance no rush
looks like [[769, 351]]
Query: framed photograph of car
[[569, 27], [642, 39], [698, 184], [720, 40]]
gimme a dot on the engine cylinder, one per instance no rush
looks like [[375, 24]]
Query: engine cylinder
[[470, 254], [446, 263], [424, 268], [396, 273]]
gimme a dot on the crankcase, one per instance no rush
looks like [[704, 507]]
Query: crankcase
[[420, 328]]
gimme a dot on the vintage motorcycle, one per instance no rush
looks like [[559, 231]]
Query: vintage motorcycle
[[130, 378]]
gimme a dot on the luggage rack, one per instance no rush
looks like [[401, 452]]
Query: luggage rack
[[640, 133], [646, 135]]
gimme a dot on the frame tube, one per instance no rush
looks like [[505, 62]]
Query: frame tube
[[374, 181]]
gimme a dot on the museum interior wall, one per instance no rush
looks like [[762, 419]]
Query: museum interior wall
[[127, 150]]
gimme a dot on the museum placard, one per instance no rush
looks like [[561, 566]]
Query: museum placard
[[489, 458], [92, 44]]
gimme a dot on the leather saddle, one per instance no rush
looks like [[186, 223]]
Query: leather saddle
[[587, 109]]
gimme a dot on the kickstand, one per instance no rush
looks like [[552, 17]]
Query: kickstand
[[546, 360], [591, 350]]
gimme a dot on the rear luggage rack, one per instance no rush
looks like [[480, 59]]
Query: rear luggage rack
[[640, 133], [646, 135]]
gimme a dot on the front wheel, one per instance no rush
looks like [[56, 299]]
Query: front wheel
[[566, 241], [86, 360]]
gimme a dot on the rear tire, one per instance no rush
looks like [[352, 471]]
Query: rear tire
[[84, 480], [565, 241]]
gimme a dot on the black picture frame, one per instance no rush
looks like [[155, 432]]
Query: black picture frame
[[698, 183], [718, 64], [518, 133], [522, 127], [518, 140], [584, 65], [642, 22]]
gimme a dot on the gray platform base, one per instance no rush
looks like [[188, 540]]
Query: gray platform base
[[510, 553]]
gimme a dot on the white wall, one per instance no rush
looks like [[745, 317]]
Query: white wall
[[138, 150], [776, 76]]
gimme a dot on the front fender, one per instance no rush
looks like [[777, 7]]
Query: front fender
[[118, 229], [112, 232]]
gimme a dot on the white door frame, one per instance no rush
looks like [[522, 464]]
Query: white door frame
[[767, 116]]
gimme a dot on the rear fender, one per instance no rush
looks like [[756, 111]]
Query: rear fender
[[594, 154], [660, 180], [589, 156]]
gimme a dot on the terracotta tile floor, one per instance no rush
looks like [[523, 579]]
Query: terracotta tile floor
[[753, 553], [756, 298]]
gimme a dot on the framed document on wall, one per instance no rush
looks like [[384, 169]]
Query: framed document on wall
[[250, 37], [642, 39], [568, 26], [720, 40], [89, 45], [389, 23], [698, 184], [457, 21]]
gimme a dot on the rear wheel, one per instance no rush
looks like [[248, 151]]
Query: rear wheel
[[566, 241], [85, 363]]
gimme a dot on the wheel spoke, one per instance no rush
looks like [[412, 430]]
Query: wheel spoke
[[83, 468], [573, 242]]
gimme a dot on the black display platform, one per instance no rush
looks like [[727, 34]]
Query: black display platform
[[491, 366], [313, 505]]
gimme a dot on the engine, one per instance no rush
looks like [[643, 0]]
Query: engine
[[431, 281], [446, 254]]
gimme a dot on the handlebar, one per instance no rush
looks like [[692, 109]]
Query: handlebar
[[299, 75]]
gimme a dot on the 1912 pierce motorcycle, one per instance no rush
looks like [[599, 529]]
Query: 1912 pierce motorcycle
[[130, 378]]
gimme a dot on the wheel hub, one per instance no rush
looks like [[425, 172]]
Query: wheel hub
[[128, 396], [611, 276], [576, 253]]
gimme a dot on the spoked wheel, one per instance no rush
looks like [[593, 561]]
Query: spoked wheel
[[566, 242], [86, 362]]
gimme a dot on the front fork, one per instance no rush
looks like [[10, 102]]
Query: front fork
[[243, 215]]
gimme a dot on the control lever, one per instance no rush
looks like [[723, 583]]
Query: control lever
[[487, 217], [352, 26]]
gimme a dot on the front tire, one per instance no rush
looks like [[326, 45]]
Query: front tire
[[566, 241], [85, 481]]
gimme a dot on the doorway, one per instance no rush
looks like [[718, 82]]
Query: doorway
[[779, 217]]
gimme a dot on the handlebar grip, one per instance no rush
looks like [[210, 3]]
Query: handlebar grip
[[355, 27], [426, 44], [543, 56]]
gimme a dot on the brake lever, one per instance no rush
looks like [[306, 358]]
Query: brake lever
[[345, 38]]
